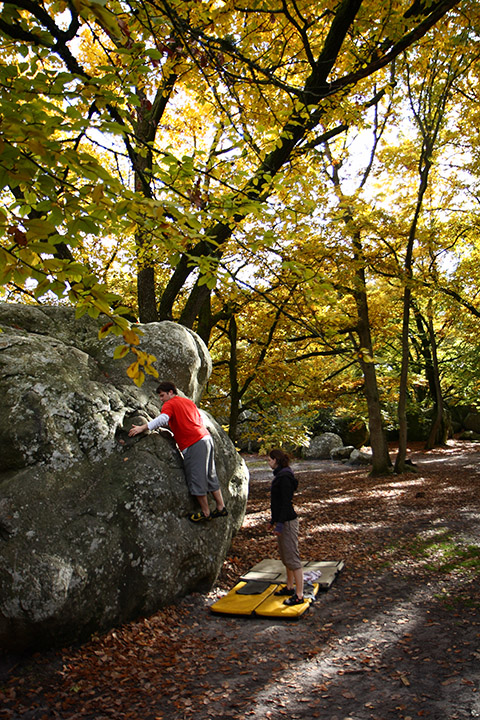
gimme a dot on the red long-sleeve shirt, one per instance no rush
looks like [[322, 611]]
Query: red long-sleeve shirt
[[184, 420]]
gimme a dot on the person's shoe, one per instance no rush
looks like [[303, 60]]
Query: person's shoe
[[199, 517], [294, 600], [219, 513], [285, 591]]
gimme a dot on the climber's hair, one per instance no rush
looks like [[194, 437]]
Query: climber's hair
[[167, 386]]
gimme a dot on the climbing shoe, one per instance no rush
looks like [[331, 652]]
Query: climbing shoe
[[285, 591], [199, 517], [294, 600], [219, 513]]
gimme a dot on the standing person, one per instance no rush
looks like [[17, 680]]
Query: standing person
[[196, 445], [284, 523]]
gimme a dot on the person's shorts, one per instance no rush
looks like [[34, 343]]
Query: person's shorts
[[288, 545], [199, 464]]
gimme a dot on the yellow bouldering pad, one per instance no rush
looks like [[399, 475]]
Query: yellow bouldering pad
[[254, 594], [237, 602], [273, 605]]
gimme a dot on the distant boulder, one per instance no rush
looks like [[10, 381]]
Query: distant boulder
[[321, 446], [341, 453], [359, 457]]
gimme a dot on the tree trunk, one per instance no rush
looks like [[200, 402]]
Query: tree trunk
[[147, 309], [439, 429], [400, 465], [205, 321], [381, 459], [147, 306], [197, 300], [234, 389], [147, 121], [440, 426], [429, 113], [425, 165], [381, 464]]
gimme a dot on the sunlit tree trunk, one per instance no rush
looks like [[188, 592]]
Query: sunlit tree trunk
[[402, 392], [381, 463]]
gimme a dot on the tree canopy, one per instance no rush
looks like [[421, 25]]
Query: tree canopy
[[291, 179]]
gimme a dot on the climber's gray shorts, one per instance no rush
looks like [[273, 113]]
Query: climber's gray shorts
[[199, 464]]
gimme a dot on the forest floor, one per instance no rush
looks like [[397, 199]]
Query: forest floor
[[397, 636]]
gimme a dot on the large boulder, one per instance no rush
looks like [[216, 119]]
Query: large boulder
[[93, 526]]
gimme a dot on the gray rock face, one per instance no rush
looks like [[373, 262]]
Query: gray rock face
[[341, 453], [93, 526], [360, 458], [321, 446]]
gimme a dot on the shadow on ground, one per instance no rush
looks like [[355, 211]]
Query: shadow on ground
[[396, 636]]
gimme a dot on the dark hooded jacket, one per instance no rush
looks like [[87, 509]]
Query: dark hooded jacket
[[284, 484]]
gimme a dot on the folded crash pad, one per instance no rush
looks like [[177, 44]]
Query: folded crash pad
[[254, 594]]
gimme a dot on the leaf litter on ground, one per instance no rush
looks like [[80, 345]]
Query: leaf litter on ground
[[397, 635]]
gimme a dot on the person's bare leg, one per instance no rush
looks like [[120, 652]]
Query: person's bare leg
[[203, 502], [218, 497], [298, 575]]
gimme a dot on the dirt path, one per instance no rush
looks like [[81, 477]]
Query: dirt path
[[396, 636]]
